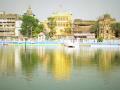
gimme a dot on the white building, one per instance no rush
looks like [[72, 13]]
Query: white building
[[9, 24], [85, 35], [41, 37], [18, 27]]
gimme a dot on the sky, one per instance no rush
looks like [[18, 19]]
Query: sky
[[81, 9]]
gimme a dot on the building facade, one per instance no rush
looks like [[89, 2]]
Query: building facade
[[63, 23], [82, 29], [29, 11], [8, 24], [105, 30]]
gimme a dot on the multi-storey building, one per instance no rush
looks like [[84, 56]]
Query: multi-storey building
[[105, 30], [8, 24], [82, 29], [63, 23]]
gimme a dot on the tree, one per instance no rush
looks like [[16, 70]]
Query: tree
[[116, 28], [38, 29], [95, 29], [68, 30], [52, 33], [29, 23], [99, 39], [107, 16], [51, 25]]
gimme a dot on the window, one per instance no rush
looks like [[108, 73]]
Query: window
[[107, 31]]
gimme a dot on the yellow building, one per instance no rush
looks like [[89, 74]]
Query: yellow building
[[105, 30], [63, 23]]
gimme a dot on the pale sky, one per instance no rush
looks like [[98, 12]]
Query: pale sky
[[82, 9]]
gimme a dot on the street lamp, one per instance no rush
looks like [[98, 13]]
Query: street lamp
[[25, 42], [29, 28]]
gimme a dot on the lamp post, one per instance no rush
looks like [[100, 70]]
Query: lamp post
[[26, 38], [25, 42]]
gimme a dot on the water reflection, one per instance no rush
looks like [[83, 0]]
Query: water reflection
[[7, 61], [59, 62], [29, 61]]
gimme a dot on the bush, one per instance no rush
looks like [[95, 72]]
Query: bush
[[100, 39]]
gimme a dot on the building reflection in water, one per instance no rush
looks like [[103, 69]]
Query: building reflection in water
[[7, 61], [61, 67], [58, 61], [83, 57], [105, 58]]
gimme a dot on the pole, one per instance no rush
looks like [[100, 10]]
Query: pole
[[25, 42]]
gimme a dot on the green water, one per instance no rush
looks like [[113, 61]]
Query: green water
[[59, 68]]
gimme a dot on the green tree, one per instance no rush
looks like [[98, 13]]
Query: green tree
[[107, 16], [116, 28], [52, 33], [51, 25], [99, 39], [29, 61], [29, 23], [95, 29], [68, 30], [38, 29]]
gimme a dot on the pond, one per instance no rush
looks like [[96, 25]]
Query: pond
[[59, 68]]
